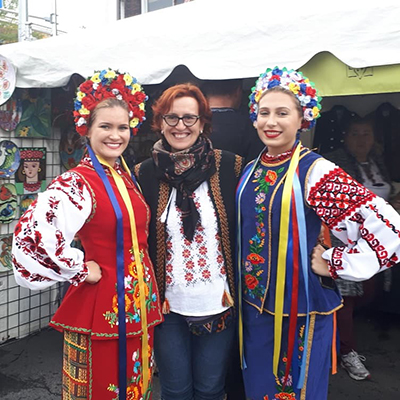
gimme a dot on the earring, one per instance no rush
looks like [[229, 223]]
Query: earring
[[162, 132], [39, 169], [23, 172], [201, 131]]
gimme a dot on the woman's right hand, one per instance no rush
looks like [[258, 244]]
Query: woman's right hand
[[94, 272]]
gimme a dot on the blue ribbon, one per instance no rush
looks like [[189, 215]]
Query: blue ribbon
[[301, 223], [122, 365]]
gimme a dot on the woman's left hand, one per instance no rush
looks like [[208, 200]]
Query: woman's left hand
[[318, 264]]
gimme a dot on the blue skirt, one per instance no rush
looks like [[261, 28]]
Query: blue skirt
[[259, 380]]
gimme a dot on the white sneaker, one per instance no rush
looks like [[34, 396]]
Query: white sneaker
[[353, 363]]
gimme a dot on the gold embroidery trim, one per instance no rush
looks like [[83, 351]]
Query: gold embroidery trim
[[222, 221], [163, 197], [299, 314], [309, 347], [238, 165]]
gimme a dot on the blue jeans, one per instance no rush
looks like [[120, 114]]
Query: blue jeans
[[191, 367]]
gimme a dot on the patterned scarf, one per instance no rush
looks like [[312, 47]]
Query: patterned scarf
[[185, 170]]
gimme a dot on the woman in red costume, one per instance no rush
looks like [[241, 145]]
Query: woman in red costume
[[109, 313]]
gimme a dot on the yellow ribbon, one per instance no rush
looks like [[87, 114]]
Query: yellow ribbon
[[282, 253], [139, 266]]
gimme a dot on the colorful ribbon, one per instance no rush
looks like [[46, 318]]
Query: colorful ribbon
[[295, 290], [301, 224], [282, 254], [122, 368]]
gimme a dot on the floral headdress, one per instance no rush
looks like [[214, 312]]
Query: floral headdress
[[295, 82], [105, 84]]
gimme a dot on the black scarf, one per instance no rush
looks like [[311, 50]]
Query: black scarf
[[185, 170]]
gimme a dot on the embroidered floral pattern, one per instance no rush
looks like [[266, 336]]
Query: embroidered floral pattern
[[72, 186], [135, 383], [132, 295], [29, 238], [254, 263], [196, 262], [286, 390]]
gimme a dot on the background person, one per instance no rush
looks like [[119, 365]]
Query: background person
[[360, 159], [231, 127], [190, 188], [283, 197], [112, 306]]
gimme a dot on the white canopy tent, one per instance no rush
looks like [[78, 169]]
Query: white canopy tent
[[218, 39]]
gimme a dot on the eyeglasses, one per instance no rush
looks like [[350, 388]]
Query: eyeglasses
[[173, 120]]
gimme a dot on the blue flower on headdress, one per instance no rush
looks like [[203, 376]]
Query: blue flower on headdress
[[277, 71], [303, 87], [273, 83], [312, 103]]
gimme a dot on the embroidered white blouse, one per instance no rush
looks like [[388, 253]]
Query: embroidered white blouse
[[195, 271]]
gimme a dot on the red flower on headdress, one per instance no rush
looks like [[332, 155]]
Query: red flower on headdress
[[310, 91], [89, 102], [137, 113], [140, 97], [86, 86], [107, 84]]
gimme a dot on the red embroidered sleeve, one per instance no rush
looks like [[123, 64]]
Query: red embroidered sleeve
[[42, 253], [337, 196]]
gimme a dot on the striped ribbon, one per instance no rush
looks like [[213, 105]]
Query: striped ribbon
[[282, 254], [294, 261], [122, 366], [301, 224]]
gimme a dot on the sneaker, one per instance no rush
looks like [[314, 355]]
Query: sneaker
[[353, 363]]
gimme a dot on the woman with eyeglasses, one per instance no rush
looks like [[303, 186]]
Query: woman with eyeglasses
[[190, 188]]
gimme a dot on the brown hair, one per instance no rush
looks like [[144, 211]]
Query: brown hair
[[107, 103], [164, 103], [287, 91]]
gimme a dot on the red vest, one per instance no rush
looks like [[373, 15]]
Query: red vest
[[93, 309]]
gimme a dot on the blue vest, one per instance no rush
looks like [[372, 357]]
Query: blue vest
[[260, 212]]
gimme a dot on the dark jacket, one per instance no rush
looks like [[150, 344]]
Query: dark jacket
[[222, 188]]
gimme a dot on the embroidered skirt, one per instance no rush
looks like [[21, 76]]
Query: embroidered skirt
[[90, 368], [260, 382]]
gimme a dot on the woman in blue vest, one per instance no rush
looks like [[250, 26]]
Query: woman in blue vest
[[286, 324]]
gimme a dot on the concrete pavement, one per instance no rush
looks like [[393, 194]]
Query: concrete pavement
[[30, 368]]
